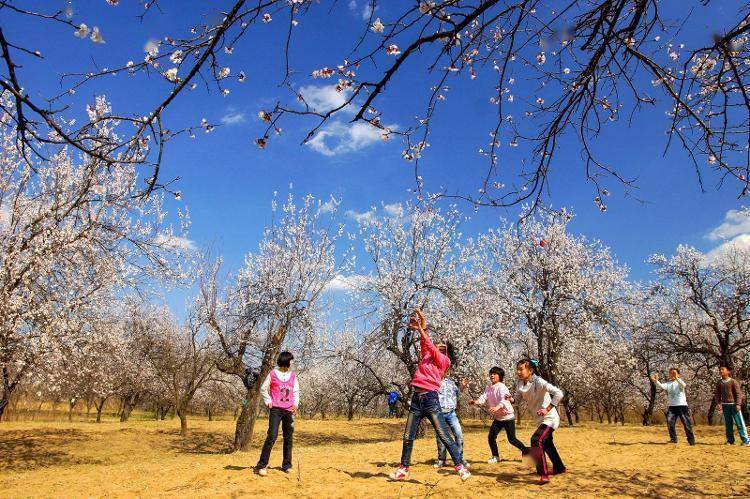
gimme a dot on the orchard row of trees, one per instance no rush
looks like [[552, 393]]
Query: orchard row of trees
[[82, 252]]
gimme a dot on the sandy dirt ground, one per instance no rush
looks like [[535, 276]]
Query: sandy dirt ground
[[352, 459]]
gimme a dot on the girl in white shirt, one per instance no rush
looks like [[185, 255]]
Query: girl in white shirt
[[541, 399]]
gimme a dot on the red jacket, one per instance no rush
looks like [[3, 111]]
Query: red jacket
[[431, 368]]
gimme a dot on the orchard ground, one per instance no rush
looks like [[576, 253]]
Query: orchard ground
[[336, 458]]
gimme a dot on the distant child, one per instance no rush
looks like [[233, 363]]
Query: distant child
[[729, 394], [426, 403], [448, 396], [280, 391], [495, 397], [677, 405], [541, 399], [392, 399]]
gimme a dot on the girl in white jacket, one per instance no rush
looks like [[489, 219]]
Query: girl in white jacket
[[542, 399]]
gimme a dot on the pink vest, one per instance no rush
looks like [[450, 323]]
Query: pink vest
[[282, 392]]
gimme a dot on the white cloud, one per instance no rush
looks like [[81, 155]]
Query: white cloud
[[341, 138], [172, 241], [734, 232], [395, 210], [739, 243], [325, 98], [233, 118], [367, 11], [352, 5], [362, 216], [330, 206], [345, 283], [736, 222]]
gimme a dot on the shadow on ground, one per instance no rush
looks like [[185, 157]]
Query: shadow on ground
[[27, 450]]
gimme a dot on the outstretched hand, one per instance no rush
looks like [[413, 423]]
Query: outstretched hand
[[654, 378]]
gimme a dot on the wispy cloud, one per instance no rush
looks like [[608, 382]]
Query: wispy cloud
[[734, 232], [233, 117], [345, 282], [393, 210], [330, 206], [736, 222], [362, 216], [177, 242], [341, 138], [325, 98]]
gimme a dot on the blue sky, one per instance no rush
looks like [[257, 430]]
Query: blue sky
[[227, 182]]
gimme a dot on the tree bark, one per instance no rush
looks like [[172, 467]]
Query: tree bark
[[711, 410], [648, 412], [99, 406], [182, 414], [243, 434]]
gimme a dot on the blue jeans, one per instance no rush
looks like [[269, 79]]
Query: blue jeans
[[427, 405], [451, 419]]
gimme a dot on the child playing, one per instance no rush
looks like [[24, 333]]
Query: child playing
[[495, 398], [729, 394], [541, 398], [280, 391], [448, 396], [677, 405], [425, 402]]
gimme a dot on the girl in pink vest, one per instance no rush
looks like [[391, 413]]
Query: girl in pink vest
[[280, 391]]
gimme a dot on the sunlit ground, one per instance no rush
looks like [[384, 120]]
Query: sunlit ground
[[351, 459]]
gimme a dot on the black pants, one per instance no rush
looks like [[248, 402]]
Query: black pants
[[286, 419], [510, 431], [681, 412], [543, 445]]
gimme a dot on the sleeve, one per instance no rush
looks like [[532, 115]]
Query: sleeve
[[660, 385], [737, 392], [482, 398], [296, 391], [265, 390], [717, 393], [555, 393], [681, 384], [428, 347]]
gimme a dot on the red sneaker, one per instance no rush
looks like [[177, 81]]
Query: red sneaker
[[543, 480]]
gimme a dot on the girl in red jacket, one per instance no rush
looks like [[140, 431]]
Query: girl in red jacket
[[425, 402]]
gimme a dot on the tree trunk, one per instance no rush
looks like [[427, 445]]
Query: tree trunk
[[71, 406], [648, 412], [569, 414], [128, 404], [99, 406], [4, 401], [210, 414], [711, 411], [182, 414], [243, 434]]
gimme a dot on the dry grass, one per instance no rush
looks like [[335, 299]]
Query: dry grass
[[350, 459]]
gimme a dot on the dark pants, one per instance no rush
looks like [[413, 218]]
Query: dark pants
[[681, 412], [427, 405], [392, 409], [510, 431], [286, 419], [541, 446]]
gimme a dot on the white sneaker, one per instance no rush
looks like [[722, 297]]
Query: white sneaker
[[263, 471], [466, 463], [399, 473], [463, 472], [439, 464], [493, 460]]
